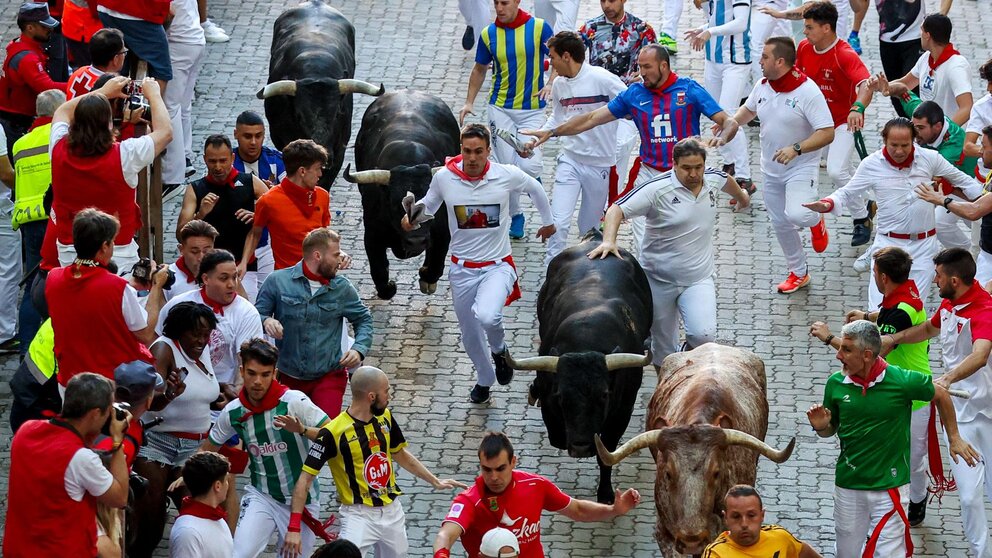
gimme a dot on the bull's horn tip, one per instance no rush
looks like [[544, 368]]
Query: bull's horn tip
[[787, 452], [347, 174], [260, 94], [382, 89], [604, 454]]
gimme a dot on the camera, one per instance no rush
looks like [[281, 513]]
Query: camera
[[143, 271], [135, 99], [118, 412]]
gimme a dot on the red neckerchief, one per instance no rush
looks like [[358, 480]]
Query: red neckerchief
[[229, 180], [948, 52], [181, 264], [451, 163], [269, 401], [305, 200], [876, 370], [660, 90], [974, 293], [201, 510], [40, 121], [905, 292], [313, 276], [522, 18], [217, 307], [788, 82], [903, 165]]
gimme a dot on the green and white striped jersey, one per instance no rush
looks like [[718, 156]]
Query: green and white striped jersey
[[275, 456]]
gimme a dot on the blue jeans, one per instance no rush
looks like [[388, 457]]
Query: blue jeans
[[32, 235]]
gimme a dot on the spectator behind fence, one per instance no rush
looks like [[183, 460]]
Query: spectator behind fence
[[107, 53], [56, 481]]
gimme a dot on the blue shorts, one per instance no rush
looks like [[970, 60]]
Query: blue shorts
[[165, 448], [146, 41]]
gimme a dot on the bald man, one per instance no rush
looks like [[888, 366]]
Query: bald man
[[371, 515]]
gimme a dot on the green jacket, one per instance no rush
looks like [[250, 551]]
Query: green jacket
[[951, 144]]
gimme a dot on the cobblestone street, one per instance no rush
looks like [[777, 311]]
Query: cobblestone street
[[407, 44]]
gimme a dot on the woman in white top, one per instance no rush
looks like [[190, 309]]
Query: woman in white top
[[182, 352]]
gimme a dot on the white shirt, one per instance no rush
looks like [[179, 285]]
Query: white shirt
[[133, 310], [956, 345], [136, 153], [981, 116], [479, 211], [4, 188], [678, 238], [899, 210], [183, 284], [86, 474], [200, 538], [239, 323], [185, 27], [787, 119], [950, 79], [591, 88], [190, 412]]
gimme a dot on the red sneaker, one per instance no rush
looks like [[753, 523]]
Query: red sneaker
[[821, 238], [793, 283]]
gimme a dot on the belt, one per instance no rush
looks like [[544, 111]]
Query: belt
[[477, 265], [912, 236], [189, 435]]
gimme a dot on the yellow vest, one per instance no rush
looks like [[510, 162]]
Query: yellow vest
[[33, 171], [41, 353]]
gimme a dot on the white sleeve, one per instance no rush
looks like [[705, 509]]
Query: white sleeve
[[959, 77], [222, 431], [742, 15], [918, 69], [136, 155], [3, 142], [638, 202], [850, 195], [59, 131], [751, 103], [968, 185], [530, 186], [86, 475], [432, 200], [816, 110], [978, 120], [305, 410], [134, 312]]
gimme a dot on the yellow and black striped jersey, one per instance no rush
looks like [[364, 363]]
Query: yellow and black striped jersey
[[773, 542]]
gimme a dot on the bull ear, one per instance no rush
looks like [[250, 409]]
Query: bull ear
[[659, 423], [723, 421], [554, 352]]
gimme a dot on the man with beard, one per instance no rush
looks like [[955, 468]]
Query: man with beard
[[359, 446], [302, 309], [747, 537]]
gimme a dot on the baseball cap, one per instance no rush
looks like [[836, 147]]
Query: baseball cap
[[137, 379], [495, 540], [36, 12]]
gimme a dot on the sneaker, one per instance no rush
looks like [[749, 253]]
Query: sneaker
[[517, 226], [917, 512], [665, 40], [855, 42], [821, 237], [214, 34], [10, 346], [504, 373], [793, 283], [169, 191], [863, 263], [862, 232], [748, 186], [190, 169], [468, 39], [479, 394]]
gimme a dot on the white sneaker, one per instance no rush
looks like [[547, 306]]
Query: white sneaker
[[863, 263], [213, 33]]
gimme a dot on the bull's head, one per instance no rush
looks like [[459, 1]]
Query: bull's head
[[580, 391], [690, 477]]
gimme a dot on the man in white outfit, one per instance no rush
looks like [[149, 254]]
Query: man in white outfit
[[478, 15], [187, 51], [476, 193], [589, 159], [561, 15]]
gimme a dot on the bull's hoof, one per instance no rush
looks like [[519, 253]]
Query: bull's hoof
[[388, 292], [428, 288]]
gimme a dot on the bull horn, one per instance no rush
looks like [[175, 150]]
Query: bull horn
[[281, 87], [374, 176], [538, 364], [635, 444], [617, 361], [346, 86], [736, 437]]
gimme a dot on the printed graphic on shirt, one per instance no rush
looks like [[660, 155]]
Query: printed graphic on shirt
[[477, 216]]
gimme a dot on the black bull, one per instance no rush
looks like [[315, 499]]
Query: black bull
[[594, 318], [403, 134], [311, 71]]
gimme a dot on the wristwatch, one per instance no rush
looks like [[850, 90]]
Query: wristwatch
[[798, 148], [947, 203]]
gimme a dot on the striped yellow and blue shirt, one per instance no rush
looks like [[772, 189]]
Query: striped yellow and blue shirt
[[517, 52]]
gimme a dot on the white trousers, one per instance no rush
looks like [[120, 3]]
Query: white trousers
[[479, 296], [922, 272], [984, 272], [670, 19], [628, 139], [840, 168], [695, 304], [727, 84], [571, 179], [10, 271], [260, 517], [478, 15], [187, 60], [952, 231], [125, 256], [382, 529], [918, 461], [784, 197], [253, 279], [764, 26], [974, 486], [513, 120], [560, 14], [637, 224], [857, 512]]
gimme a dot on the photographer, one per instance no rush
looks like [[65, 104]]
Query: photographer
[[56, 480], [137, 384], [91, 169]]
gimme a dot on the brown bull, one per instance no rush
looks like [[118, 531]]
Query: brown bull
[[705, 427]]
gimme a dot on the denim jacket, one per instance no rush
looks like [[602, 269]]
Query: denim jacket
[[312, 327]]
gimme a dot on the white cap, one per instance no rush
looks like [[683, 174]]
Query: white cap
[[495, 540]]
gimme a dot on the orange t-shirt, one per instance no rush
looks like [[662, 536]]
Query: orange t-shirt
[[290, 212]]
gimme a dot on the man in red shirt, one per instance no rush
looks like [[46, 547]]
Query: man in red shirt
[[843, 78], [24, 75], [107, 52], [503, 497]]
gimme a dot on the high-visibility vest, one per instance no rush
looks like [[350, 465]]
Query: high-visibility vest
[[33, 171], [41, 353]]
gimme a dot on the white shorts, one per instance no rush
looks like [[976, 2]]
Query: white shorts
[[381, 529], [262, 516], [125, 256]]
